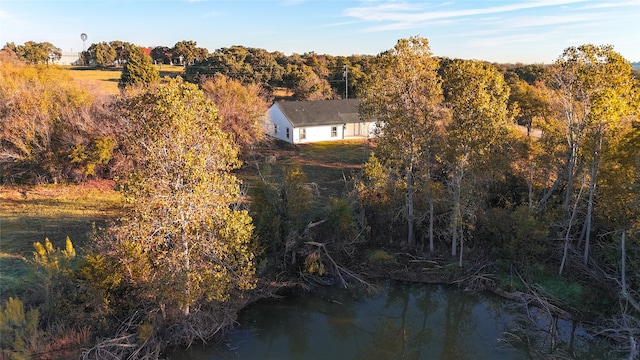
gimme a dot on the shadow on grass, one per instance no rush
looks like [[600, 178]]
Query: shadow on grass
[[329, 166]]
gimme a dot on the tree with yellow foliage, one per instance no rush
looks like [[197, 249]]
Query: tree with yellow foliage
[[186, 239]]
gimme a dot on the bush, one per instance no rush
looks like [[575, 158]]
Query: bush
[[18, 329], [569, 293], [341, 221], [380, 257]]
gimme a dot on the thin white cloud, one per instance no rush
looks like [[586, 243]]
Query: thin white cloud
[[407, 16], [612, 4], [542, 21], [338, 24], [4, 15]]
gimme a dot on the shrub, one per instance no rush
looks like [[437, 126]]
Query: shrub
[[379, 257], [566, 292], [18, 329]]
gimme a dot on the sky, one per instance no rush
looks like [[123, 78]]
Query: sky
[[504, 31]]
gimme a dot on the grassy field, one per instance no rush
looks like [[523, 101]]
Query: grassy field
[[326, 164], [28, 215], [106, 80]]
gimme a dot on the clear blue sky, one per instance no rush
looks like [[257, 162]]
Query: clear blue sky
[[528, 31]]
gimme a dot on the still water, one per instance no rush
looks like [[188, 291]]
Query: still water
[[401, 321]]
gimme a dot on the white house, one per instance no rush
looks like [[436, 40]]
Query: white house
[[69, 58], [311, 121]]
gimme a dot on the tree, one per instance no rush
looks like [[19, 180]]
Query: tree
[[185, 51], [122, 50], [247, 65], [241, 107], [102, 53], [592, 91], [306, 84], [162, 55], [138, 69], [477, 96], [37, 53], [185, 240], [347, 71], [620, 186], [403, 93]]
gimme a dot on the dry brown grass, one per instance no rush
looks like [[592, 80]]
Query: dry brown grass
[[106, 80]]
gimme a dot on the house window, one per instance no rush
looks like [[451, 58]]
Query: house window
[[303, 133], [275, 128], [287, 133], [334, 131]]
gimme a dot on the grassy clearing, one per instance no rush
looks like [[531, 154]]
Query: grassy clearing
[[106, 80], [28, 215], [326, 164]]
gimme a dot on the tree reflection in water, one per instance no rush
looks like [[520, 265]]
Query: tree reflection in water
[[403, 321]]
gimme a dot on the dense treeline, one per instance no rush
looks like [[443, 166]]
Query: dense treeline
[[309, 76], [451, 176]]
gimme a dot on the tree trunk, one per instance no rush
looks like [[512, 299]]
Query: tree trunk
[[623, 263], [431, 220], [410, 210], [592, 190], [461, 247], [530, 185], [187, 271], [567, 235], [570, 178], [582, 232], [454, 227], [456, 213]]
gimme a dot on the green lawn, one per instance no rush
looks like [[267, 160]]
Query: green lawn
[[28, 215]]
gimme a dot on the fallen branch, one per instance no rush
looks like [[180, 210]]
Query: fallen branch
[[341, 271]]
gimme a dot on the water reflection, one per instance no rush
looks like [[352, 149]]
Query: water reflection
[[404, 321]]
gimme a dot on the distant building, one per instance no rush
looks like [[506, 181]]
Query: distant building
[[70, 58], [311, 121]]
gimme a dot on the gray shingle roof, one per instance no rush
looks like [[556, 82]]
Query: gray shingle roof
[[322, 112]]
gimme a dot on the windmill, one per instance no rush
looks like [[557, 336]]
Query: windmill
[[83, 36]]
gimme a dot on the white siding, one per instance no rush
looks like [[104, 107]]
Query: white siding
[[69, 58], [278, 125], [317, 133]]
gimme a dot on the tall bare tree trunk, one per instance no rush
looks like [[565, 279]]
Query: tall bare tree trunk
[[457, 204], [530, 185], [431, 220], [187, 271], [411, 238], [455, 220], [461, 246], [623, 263], [571, 164], [567, 236], [592, 190]]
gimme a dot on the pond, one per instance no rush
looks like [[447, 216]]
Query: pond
[[401, 321]]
